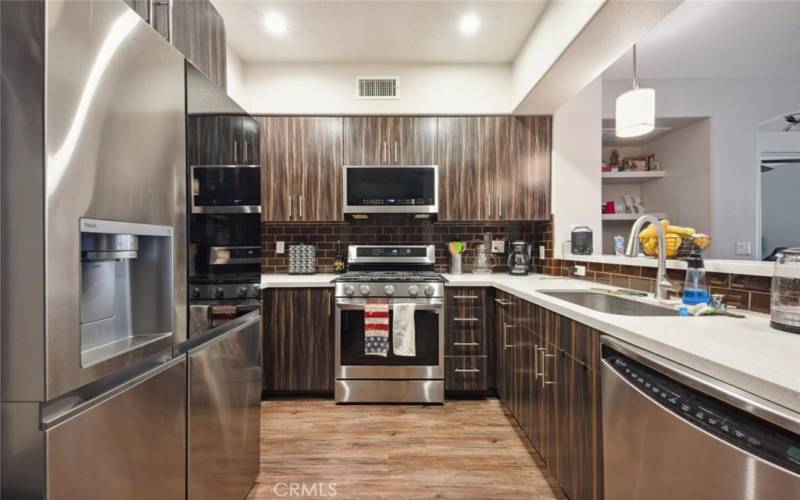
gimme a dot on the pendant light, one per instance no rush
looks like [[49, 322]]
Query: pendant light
[[636, 109]]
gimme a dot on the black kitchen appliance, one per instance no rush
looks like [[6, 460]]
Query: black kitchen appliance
[[520, 260], [581, 240], [395, 189]]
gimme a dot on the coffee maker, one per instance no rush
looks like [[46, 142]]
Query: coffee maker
[[520, 261]]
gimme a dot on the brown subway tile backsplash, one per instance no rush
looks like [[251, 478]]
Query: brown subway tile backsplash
[[392, 229]]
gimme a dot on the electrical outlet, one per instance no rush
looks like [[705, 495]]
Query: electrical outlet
[[580, 270], [498, 246], [743, 248], [280, 247], [542, 252]]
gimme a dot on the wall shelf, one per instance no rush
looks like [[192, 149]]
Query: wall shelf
[[629, 217], [631, 177]]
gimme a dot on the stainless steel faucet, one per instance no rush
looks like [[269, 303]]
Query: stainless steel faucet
[[663, 283]]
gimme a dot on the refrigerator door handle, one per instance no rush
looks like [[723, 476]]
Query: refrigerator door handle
[[68, 406]]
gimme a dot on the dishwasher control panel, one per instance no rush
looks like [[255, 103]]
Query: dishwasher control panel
[[717, 418]]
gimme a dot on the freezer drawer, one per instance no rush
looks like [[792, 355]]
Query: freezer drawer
[[224, 412], [130, 446]]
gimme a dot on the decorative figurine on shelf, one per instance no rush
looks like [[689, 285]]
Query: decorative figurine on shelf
[[652, 164], [614, 159], [633, 204]]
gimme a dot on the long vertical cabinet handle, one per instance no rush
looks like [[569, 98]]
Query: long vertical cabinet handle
[[301, 208], [290, 207], [328, 295], [505, 336], [396, 154], [546, 382], [384, 155], [536, 361], [499, 207], [235, 151], [488, 205]]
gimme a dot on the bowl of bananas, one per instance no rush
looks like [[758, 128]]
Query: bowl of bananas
[[681, 241]]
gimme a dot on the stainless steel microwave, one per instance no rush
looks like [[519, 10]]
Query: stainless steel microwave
[[410, 189]]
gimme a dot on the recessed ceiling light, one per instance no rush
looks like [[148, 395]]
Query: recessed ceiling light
[[470, 24], [276, 24]]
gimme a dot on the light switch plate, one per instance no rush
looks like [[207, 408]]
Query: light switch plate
[[542, 252], [280, 247], [743, 248], [498, 246]]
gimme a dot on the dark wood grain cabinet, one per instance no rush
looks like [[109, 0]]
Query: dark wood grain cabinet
[[468, 365], [548, 379], [198, 31], [389, 140], [223, 140], [494, 167], [301, 165], [298, 340]]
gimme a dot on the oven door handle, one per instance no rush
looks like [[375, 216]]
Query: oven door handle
[[348, 305]]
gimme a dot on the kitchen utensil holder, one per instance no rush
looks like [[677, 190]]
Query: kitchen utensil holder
[[455, 264]]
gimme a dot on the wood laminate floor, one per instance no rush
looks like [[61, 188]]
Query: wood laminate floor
[[461, 450]]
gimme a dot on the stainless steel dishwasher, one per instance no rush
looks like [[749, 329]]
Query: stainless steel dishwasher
[[670, 432]]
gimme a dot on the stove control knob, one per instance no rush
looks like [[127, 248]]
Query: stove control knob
[[256, 291], [349, 290], [429, 290], [195, 292], [388, 290], [364, 290], [241, 292], [413, 290], [219, 292]]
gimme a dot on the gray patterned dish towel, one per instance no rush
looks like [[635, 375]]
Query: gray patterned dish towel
[[403, 334]]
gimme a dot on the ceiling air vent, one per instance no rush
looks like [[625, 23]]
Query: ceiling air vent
[[370, 87]]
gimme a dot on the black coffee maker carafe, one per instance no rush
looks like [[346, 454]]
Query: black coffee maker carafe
[[520, 260]]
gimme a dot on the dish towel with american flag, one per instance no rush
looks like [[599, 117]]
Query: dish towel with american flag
[[376, 327]]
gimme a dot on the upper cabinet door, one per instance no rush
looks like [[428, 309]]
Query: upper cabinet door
[[365, 140], [318, 146], [412, 140], [214, 140], [464, 153], [250, 146], [198, 31], [526, 186], [277, 168]]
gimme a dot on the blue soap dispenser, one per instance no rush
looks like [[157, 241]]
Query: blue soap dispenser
[[695, 289]]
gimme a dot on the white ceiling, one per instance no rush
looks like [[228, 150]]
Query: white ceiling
[[720, 39], [382, 31]]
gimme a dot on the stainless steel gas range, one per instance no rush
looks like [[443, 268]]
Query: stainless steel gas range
[[390, 275]]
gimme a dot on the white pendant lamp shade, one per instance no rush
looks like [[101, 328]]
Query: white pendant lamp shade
[[636, 109], [636, 112]]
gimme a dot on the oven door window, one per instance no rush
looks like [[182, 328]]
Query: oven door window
[[426, 327], [214, 186]]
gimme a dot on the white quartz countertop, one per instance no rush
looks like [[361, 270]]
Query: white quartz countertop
[[745, 353], [747, 267], [297, 280]]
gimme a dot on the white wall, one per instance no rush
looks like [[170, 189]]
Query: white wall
[[684, 194], [422, 88], [235, 75], [735, 108], [576, 183]]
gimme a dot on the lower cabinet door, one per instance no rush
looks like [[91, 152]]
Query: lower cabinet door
[[299, 340], [466, 373]]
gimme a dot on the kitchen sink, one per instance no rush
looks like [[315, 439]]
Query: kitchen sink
[[612, 304]]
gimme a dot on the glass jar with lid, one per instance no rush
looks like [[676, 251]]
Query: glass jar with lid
[[785, 304]]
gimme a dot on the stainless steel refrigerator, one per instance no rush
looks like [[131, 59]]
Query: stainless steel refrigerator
[[93, 254]]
